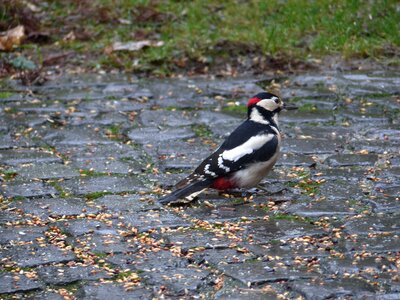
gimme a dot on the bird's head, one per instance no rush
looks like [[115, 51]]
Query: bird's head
[[265, 108], [266, 101]]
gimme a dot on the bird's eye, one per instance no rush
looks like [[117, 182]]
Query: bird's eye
[[277, 101]]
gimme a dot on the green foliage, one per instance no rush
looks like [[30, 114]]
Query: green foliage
[[204, 31], [202, 130], [96, 195], [5, 95], [235, 109]]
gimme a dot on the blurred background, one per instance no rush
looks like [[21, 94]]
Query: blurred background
[[165, 38]]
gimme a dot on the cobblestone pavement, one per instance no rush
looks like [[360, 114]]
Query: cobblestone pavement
[[84, 158]]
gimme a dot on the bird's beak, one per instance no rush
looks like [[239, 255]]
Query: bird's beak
[[289, 106]]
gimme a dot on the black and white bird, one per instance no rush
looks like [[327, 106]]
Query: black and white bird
[[244, 158]]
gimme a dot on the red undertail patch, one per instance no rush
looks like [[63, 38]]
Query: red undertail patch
[[222, 184]]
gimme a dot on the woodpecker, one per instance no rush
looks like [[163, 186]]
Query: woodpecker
[[244, 158]]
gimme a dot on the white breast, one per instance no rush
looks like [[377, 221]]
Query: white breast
[[254, 173]]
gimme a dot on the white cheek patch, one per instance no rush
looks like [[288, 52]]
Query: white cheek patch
[[251, 145], [268, 104]]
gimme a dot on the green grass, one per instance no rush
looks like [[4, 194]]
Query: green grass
[[308, 107], [9, 174], [235, 109], [202, 130], [202, 31], [5, 95], [59, 189], [96, 195]]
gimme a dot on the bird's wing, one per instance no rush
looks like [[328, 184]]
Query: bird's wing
[[238, 151]]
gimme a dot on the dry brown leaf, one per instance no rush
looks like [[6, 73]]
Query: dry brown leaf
[[12, 37], [132, 46]]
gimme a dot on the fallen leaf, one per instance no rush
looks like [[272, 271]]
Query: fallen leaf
[[132, 46], [70, 36], [55, 58], [12, 37], [39, 37]]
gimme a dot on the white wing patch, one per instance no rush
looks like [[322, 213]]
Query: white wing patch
[[221, 163], [251, 145], [207, 170]]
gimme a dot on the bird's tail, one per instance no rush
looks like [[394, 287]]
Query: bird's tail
[[189, 190]]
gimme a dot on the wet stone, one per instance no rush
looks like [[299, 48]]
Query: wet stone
[[342, 174], [344, 160], [128, 203], [75, 137], [196, 238], [104, 184], [366, 266], [7, 217], [335, 190], [108, 165], [12, 235], [231, 87], [179, 281], [106, 106], [106, 119], [165, 180], [103, 243], [151, 118], [148, 262], [245, 294], [263, 231], [163, 268], [152, 135], [28, 189], [379, 243], [317, 209], [16, 157], [226, 212], [374, 224], [83, 226], [216, 257], [65, 275], [319, 132], [120, 88], [381, 204], [8, 141], [298, 117], [45, 295], [335, 289], [107, 153], [384, 134], [10, 284], [47, 207], [375, 146], [256, 249], [34, 255], [259, 272], [202, 101], [309, 146], [147, 220], [107, 291], [289, 159], [47, 171], [182, 155], [212, 118], [286, 250]]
